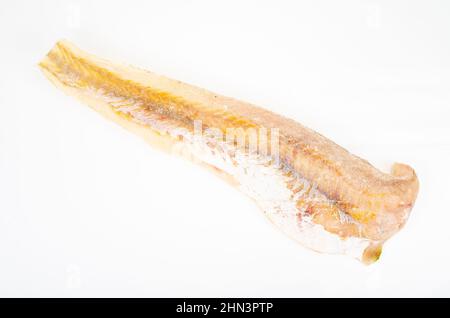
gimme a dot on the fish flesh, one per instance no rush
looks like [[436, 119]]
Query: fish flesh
[[313, 190]]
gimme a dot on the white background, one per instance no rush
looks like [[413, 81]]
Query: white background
[[87, 209]]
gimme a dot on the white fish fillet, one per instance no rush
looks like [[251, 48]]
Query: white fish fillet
[[313, 190]]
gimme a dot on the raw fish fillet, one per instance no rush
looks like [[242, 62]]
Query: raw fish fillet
[[313, 190]]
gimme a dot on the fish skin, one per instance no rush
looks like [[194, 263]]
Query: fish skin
[[322, 184]]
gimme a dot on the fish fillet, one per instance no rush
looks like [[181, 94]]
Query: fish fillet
[[315, 191]]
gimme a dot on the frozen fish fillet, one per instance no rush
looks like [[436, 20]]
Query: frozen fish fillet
[[315, 191]]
